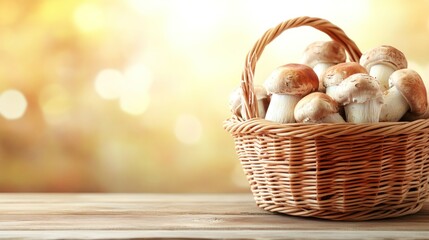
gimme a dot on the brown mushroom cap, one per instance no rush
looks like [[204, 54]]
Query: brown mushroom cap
[[412, 88], [314, 107], [293, 79], [324, 52], [334, 75], [384, 54], [358, 88]]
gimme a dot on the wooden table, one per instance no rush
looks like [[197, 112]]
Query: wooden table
[[228, 216]]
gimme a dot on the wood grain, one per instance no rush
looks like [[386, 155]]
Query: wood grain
[[227, 216]]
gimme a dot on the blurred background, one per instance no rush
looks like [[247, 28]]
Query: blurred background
[[130, 95]]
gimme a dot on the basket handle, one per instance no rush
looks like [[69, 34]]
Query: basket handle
[[333, 31]]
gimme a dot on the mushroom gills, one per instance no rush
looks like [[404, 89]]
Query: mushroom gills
[[281, 108], [395, 106]]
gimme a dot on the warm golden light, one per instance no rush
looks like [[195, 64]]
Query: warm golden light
[[149, 7], [135, 98], [130, 87], [138, 79], [108, 83], [134, 104], [55, 102], [88, 17], [12, 104], [427, 24], [115, 95], [188, 129], [9, 12]]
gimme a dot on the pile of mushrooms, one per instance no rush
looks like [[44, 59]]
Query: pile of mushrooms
[[324, 88]]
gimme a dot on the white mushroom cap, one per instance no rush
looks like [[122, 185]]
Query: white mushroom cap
[[323, 52], [317, 107], [384, 54], [358, 88], [334, 75], [411, 86]]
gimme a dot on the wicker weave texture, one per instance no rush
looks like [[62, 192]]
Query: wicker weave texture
[[335, 175], [333, 171]]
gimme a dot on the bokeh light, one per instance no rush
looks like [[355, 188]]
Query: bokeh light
[[131, 87], [108, 83], [12, 104], [135, 98], [138, 79], [134, 104]]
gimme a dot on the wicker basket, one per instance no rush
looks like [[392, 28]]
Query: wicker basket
[[334, 171]]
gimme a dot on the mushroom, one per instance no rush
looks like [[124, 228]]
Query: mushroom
[[407, 93], [317, 107], [381, 62], [334, 75], [288, 84], [321, 55], [408, 116], [361, 96], [237, 108]]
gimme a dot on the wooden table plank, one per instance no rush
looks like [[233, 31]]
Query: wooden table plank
[[210, 234], [121, 197], [129, 208], [195, 222], [89, 216]]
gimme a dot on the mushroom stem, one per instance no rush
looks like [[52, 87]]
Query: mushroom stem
[[333, 118], [382, 72], [394, 107], [261, 108], [367, 112], [281, 108], [319, 69]]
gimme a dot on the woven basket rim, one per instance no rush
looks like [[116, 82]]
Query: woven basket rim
[[258, 126]]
